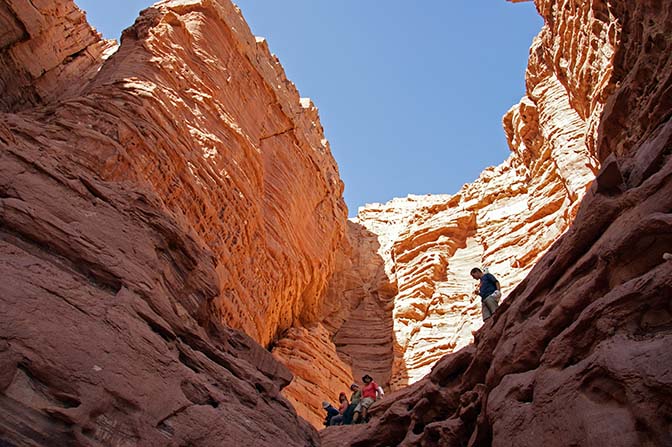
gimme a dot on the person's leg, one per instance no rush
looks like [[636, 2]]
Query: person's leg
[[491, 304], [485, 310], [366, 403], [347, 416], [336, 420], [357, 412]]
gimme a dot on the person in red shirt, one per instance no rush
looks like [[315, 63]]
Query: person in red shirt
[[370, 393], [343, 405]]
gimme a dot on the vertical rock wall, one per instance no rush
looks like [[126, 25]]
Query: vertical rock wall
[[147, 200], [578, 354], [235, 152]]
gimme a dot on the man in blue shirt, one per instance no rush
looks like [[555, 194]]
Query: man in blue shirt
[[489, 290]]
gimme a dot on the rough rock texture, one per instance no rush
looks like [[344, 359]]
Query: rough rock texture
[[319, 372], [46, 50], [510, 215], [235, 152], [579, 352], [180, 185]]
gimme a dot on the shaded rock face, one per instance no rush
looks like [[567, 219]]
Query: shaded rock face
[[319, 372], [579, 352], [146, 201]]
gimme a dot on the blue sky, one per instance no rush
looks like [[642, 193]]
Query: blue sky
[[411, 94]]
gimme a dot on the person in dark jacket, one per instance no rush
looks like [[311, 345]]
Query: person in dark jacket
[[489, 291], [331, 412]]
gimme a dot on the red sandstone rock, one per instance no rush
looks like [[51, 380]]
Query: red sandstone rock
[[319, 373], [185, 184], [578, 353], [48, 52], [182, 186]]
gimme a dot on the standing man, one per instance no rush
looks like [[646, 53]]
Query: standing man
[[489, 290]]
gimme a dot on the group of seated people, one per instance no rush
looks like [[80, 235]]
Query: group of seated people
[[356, 410]]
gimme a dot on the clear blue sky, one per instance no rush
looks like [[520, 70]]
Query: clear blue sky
[[411, 94]]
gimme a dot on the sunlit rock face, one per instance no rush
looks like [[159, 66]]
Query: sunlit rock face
[[507, 218], [146, 201], [578, 353], [236, 153], [49, 51]]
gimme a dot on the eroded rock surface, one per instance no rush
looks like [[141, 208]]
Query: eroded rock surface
[[319, 372], [508, 217], [146, 201], [578, 353], [48, 51]]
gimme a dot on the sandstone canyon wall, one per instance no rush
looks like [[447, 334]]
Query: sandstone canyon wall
[[579, 352], [507, 218], [151, 197], [147, 198]]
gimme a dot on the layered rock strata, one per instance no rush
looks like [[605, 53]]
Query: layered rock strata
[[319, 372], [508, 217], [146, 201], [578, 353], [46, 50]]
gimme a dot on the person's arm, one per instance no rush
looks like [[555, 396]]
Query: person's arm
[[491, 278], [380, 392]]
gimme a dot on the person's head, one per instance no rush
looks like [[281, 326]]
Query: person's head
[[342, 397], [367, 378], [354, 387], [325, 404], [476, 273]]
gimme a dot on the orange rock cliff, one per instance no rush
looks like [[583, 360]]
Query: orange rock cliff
[[170, 212], [578, 353], [179, 185]]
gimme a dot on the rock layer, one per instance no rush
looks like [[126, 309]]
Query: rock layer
[[508, 217], [578, 353], [145, 201], [235, 151], [319, 372], [47, 50]]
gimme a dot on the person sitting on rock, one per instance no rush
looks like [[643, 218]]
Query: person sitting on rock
[[331, 412], [370, 394], [489, 290], [352, 413], [338, 419]]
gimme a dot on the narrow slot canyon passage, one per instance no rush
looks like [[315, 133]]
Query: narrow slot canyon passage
[[366, 340], [178, 267]]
